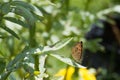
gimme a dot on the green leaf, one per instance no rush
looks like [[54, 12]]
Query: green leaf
[[5, 8], [23, 4], [58, 45], [10, 31], [28, 6], [26, 14], [28, 68], [67, 61], [17, 21], [37, 11], [37, 17], [18, 58]]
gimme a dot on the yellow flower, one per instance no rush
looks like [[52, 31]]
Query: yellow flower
[[84, 73], [66, 72], [70, 72], [87, 74]]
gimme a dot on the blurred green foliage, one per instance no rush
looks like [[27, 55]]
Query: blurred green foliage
[[27, 24]]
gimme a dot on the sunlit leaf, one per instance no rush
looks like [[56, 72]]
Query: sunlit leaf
[[67, 61], [42, 68], [10, 31], [58, 45], [26, 52], [12, 19], [37, 11]]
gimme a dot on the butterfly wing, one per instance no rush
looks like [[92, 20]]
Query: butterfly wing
[[77, 51]]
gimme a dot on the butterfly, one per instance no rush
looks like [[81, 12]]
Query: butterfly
[[77, 51]]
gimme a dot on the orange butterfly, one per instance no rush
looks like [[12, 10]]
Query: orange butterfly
[[77, 51]]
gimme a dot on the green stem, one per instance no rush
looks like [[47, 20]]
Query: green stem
[[32, 44], [32, 41], [75, 75]]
